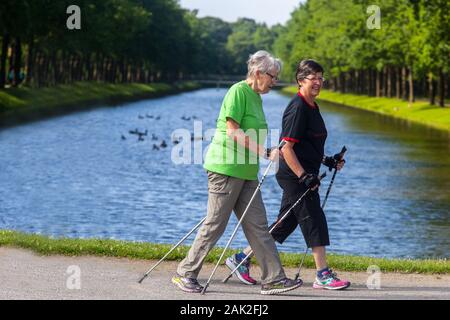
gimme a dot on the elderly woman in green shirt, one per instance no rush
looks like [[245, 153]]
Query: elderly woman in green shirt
[[232, 166]]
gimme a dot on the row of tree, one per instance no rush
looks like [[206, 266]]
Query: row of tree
[[406, 55], [120, 41], [157, 40]]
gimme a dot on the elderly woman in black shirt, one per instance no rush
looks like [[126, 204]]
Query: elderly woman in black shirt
[[305, 133]]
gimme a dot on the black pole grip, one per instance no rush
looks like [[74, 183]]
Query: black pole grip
[[343, 151], [341, 154]]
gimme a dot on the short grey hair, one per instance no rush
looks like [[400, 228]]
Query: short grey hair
[[262, 61]]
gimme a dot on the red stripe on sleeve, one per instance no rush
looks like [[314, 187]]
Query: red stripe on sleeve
[[290, 139]]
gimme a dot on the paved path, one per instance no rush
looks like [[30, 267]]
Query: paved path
[[26, 275]]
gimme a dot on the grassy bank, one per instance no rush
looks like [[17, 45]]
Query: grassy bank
[[25, 104], [419, 112], [137, 250]]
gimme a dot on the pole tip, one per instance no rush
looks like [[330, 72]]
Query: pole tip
[[204, 289]]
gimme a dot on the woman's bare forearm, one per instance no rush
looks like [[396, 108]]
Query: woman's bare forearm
[[291, 159], [238, 135]]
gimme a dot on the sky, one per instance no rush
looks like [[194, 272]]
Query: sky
[[269, 11]]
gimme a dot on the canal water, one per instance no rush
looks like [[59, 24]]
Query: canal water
[[85, 175]]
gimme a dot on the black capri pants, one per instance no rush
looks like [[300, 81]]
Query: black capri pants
[[308, 214]]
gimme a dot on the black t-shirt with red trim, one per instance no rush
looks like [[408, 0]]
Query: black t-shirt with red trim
[[303, 124]]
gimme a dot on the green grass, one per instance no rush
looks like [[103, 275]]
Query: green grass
[[22, 104], [138, 250], [419, 112]]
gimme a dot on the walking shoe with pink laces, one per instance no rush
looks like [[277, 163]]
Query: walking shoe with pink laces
[[243, 272], [330, 281]]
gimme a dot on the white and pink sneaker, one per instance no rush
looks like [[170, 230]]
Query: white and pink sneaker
[[243, 272], [330, 281]]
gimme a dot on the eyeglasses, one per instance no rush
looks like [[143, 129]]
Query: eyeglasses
[[320, 79], [274, 78]]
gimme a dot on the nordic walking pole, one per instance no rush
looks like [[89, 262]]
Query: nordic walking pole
[[282, 143], [173, 248], [323, 175], [341, 155]]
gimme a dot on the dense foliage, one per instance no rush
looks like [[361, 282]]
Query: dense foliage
[[120, 41], [411, 44], [157, 40]]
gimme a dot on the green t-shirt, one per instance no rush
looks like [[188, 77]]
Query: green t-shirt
[[226, 156]]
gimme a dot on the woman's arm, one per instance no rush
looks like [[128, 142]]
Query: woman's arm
[[237, 134], [291, 159]]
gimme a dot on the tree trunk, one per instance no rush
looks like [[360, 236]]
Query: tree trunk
[[100, 67], [372, 83], [69, 68], [5, 45], [104, 68], [36, 67], [93, 62], [134, 72], [353, 83], [389, 83], [62, 70], [363, 81], [378, 84], [46, 71], [76, 71], [38, 63], [80, 67], [112, 71], [17, 62], [54, 68], [404, 93], [29, 72], [411, 86], [431, 89], [123, 74], [96, 66], [77, 65], [89, 67], [141, 73], [441, 88], [148, 75], [344, 88], [397, 83], [10, 70], [424, 91], [108, 70]]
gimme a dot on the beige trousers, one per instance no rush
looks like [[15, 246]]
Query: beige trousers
[[227, 194]]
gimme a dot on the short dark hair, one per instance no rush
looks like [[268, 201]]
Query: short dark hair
[[307, 67]]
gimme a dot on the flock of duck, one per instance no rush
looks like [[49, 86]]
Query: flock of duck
[[162, 144]]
